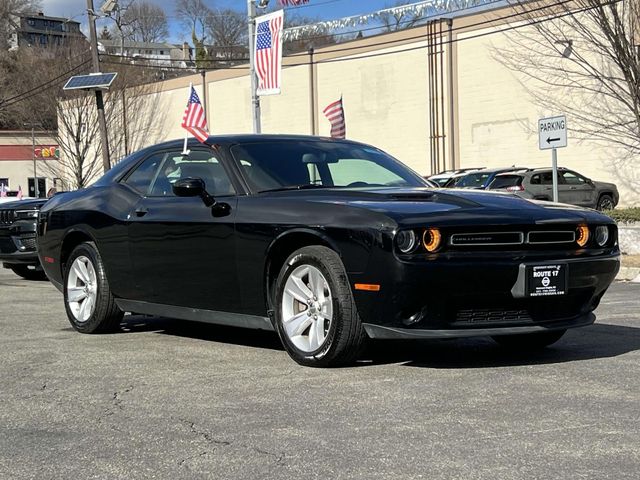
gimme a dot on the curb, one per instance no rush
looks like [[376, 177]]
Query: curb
[[629, 274]]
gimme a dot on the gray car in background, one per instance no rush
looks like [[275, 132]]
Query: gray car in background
[[573, 188]]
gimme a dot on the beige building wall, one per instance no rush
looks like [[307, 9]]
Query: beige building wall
[[386, 98]]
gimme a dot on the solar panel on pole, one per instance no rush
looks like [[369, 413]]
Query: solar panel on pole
[[90, 82]]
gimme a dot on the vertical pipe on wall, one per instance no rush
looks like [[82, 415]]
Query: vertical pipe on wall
[[312, 93], [443, 136], [452, 118], [204, 97]]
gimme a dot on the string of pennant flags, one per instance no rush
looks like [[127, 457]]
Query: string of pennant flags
[[270, 34]]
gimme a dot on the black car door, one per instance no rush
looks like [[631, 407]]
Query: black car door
[[182, 255]]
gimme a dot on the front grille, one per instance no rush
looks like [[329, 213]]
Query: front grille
[[476, 311], [485, 315], [7, 217], [28, 243], [487, 238], [551, 237], [513, 237]]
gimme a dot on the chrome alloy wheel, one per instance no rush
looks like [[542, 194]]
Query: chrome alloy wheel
[[82, 289], [307, 308]]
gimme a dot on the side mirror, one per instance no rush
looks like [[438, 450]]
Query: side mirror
[[195, 187], [188, 187]]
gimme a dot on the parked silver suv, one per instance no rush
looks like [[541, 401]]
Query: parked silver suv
[[573, 188]]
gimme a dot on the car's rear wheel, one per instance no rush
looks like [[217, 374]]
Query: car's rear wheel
[[29, 272], [605, 202], [88, 300], [529, 341], [316, 316]]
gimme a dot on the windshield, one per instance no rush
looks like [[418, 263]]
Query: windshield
[[504, 181], [275, 165], [474, 180]]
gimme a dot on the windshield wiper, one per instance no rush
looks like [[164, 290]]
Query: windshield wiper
[[305, 186]]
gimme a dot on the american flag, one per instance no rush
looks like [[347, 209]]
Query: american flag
[[194, 120], [335, 115], [3, 190], [268, 56], [294, 3], [19, 196]]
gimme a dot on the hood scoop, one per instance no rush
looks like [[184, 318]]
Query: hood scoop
[[414, 196]]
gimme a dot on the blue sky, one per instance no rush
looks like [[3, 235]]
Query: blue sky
[[323, 9]]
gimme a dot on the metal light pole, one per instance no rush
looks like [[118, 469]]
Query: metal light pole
[[255, 99], [33, 156], [35, 169], [99, 100]]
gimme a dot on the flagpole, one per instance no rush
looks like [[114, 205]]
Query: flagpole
[[255, 99], [185, 151]]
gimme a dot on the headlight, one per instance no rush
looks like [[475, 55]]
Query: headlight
[[431, 239], [602, 235], [26, 214], [582, 235], [406, 241]]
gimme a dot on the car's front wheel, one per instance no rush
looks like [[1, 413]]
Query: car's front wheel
[[316, 316], [605, 202], [529, 341], [88, 300]]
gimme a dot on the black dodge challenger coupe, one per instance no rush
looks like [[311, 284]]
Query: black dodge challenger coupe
[[327, 242]]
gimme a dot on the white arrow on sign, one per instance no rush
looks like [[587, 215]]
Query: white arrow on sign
[[552, 132]]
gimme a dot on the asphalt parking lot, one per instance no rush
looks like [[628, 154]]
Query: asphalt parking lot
[[170, 399]]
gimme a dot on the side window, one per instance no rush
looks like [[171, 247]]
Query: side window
[[198, 164], [571, 178], [535, 180], [546, 178], [140, 179]]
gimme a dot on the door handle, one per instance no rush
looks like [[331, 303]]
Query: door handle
[[141, 211], [573, 188]]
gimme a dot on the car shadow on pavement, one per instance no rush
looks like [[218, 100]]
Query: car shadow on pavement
[[202, 331], [596, 341]]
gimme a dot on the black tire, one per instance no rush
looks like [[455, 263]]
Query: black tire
[[106, 316], [33, 273], [345, 337], [605, 202], [529, 341]]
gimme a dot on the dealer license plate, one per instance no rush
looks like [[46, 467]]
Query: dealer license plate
[[547, 280]]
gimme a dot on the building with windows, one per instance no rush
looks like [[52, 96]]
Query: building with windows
[[43, 31], [154, 54], [18, 159]]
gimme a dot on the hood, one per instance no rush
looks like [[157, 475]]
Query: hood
[[605, 186], [24, 204], [455, 206]]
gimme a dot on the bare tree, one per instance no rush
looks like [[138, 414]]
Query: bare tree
[[582, 58], [147, 22], [305, 41], [9, 9], [228, 32], [400, 20], [194, 14]]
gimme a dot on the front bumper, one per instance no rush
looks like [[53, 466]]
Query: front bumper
[[464, 297], [18, 248]]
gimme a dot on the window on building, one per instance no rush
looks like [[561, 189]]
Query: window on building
[[31, 22], [4, 182], [43, 39], [161, 52]]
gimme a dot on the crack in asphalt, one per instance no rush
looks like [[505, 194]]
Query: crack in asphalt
[[279, 457], [117, 401]]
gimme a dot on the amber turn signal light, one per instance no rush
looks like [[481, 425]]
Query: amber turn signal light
[[583, 235], [431, 239]]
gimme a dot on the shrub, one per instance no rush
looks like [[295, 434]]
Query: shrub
[[625, 215]]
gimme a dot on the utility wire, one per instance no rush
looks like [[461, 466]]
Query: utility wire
[[48, 84]]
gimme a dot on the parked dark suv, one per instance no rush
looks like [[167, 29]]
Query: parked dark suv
[[573, 188], [18, 238]]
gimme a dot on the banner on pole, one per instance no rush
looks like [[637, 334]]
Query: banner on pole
[[268, 52]]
